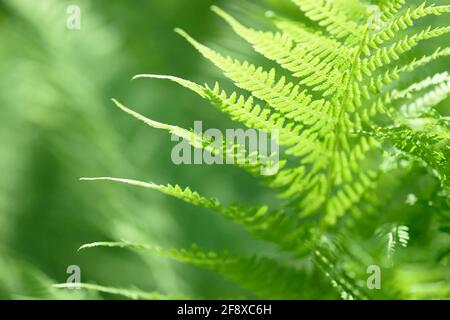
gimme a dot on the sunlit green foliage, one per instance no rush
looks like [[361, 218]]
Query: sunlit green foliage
[[349, 127], [357, 89]]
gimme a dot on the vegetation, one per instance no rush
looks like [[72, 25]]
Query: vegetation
[[358, 93]]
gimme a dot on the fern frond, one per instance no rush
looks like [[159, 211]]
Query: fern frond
[[279, 94], [353, 9], [349, 195], [273, 226], [291, 134], [253, 116], [264, 276], [185, 83], [289, 126], [389, 76], [405, 21], [317, 68], [333, 20], [252, 163], [193, 138], [437, 79], [340, 280], [424, 104], [393, 236], [384, 56], [422, 146], [314, 43], [193, 255], [389, 8], [245, 111]]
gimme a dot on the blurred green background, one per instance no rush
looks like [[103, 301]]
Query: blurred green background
[[57, 124]]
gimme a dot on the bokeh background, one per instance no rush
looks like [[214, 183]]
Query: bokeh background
[[57, 124]]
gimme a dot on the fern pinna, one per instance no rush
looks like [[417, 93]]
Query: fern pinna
[[355, 139]]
